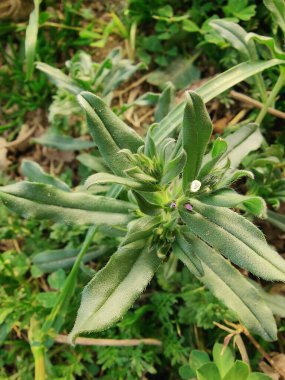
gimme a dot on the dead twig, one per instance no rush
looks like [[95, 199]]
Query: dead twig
[[255, 103], [238, 329], [109, 342], [22, 138], [133, 85]]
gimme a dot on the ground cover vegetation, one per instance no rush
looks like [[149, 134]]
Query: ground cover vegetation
[[142, 190]]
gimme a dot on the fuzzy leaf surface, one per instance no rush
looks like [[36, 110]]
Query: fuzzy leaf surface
[[232, 288], [114, 288], [107, 146], [100, 178], [31, 199], [35, 173], [197, 130], [236, 238], [124, 136], [210, 90]]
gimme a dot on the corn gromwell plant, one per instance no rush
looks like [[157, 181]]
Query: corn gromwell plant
[[180, 205]]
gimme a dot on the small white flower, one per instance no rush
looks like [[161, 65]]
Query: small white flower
[[195, 186]]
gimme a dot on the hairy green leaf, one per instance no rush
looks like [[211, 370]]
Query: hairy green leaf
[[233, 33], [267, 41], [141, 228], [51, 260], [95, 163], [236, 238], [124, 136], [59, 78], [110, 178], [231, 287], [210, 90], [35, 173], [164, 103], [174, 167], [196, 132], [38, 200], [108, 148], [240, 143], [230, 198], [61, 142], [114, 288], [276, 219]]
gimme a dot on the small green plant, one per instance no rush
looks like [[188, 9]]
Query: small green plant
[[84, 74], [178, 205], [223, 367], [268, 169]]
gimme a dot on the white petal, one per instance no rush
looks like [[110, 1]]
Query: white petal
[[195, 186]]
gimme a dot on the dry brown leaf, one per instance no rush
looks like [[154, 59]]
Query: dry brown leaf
[[221, 124], [22, 141], [269, 371], [279, 361], [59, 156], [277, 373], [4, 162]]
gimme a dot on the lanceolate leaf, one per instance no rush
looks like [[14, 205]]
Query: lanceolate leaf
[[275, 302], [110, 178], [141, 228], [42, 201], [114, 289], [124, 136], [230, 198], [184, 252], [51, 260], [108, 148], [35, 173], [233, 33], [95, 163], [277, 219], [59, 78], [236, 238], [145, 205], [197, 130], [164, 103], [240, 143], [62, 142], [174, 167], [267, 41], [233, 289], [210, 90]]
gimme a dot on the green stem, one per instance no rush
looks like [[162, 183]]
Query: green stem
[[261, 86], [63, 26], [69, 285], [39, 358], [258, 78], [278, 85]]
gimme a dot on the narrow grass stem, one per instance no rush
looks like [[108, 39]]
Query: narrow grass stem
[[261, 86], [278, 85], [63, 26], [39, 359]]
